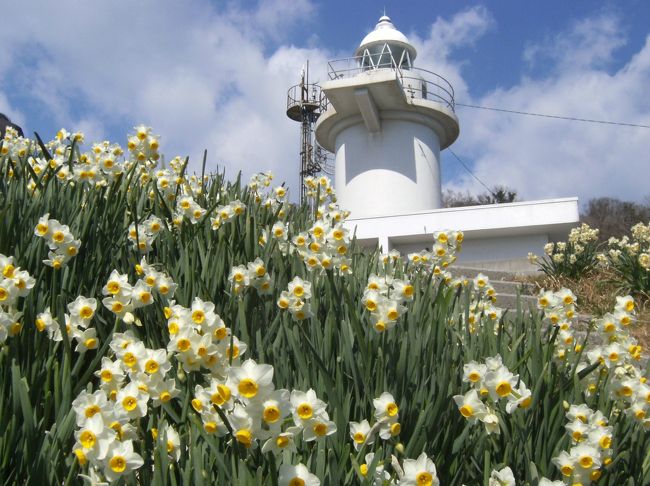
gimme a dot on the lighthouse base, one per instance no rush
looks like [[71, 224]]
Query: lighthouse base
[[497, 236]]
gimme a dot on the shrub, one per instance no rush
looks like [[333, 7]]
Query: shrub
[[573, 258], [630, 259]]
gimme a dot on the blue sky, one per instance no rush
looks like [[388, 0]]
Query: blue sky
[[495, 60], [214, 75]]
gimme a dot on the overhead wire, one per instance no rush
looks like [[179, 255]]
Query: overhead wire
[[542, 115], [470, 171], [559, 117]]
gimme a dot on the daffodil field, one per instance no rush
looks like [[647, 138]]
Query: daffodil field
[[162, 328]]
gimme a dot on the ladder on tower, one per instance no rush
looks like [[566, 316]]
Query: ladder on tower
[[305, 103]]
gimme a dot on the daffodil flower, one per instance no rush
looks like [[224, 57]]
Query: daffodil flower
[[361, 434], [251, 381], [305, 406], [419, 472], [282, 441], [120, 460], [289, 475]]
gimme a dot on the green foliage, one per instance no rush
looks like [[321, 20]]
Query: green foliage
[[336, 352]]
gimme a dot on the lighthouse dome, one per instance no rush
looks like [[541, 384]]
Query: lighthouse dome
[[386, 41]]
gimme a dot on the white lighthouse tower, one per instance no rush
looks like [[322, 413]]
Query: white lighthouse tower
[[386, 123]]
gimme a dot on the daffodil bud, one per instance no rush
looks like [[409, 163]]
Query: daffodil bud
[[181, 374]]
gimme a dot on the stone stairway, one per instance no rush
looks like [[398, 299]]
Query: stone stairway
[[508, 289], [505, 285]]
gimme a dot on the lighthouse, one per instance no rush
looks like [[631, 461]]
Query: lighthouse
[[386, 122]]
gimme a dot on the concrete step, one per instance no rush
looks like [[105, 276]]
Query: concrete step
[[508, 287], [509, 301], [493, 275], [508, 291]]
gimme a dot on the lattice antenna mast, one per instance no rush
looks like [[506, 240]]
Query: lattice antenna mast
[[305, 103]]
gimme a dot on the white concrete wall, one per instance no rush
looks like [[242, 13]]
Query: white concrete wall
[[502, 248], [502, 233], [395, 170], [495, 253], [485, 249], [550, 216]]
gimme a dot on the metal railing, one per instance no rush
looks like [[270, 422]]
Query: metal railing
[[351, 66], [416, 82], [305, 97]]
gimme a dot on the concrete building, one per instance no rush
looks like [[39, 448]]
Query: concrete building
[[386, 122]]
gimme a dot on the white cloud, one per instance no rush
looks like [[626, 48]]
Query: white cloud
[[277, 17], [203, 77], [462, 30], [545, 158], [435, 51], [8, 110], [591, 42], [215, 77]]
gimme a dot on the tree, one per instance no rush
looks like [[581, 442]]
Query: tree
[[454, 199], [498, 195], [614, 217]]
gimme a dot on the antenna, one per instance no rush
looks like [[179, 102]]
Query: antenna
[[305, 103]]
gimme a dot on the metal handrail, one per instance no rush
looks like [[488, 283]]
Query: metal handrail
[[301, 94], [416, 82], [351, 66], [435, 87]]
